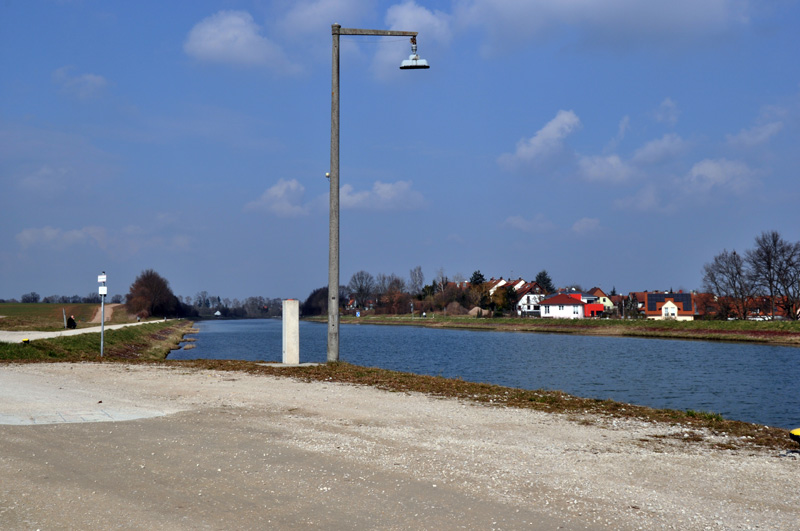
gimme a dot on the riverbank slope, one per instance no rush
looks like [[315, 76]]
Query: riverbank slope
[[766, 332]]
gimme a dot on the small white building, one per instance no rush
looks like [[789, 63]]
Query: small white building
[[562, 306]]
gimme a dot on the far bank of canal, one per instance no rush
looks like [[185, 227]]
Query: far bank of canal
[[741, 381]]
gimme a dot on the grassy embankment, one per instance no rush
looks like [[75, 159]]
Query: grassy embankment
[[152, 341], [151, 344], [50, 317], [771, 332]]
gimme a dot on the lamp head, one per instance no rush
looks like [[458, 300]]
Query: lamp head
[[414, 62]]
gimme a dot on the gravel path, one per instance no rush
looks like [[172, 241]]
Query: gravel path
[[221, 450], [7, 336]]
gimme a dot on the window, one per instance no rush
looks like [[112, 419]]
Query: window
[[561, 307]]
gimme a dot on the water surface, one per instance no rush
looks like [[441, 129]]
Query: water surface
[[754, 383]]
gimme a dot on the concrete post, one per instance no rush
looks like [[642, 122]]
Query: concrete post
[[291, 332]]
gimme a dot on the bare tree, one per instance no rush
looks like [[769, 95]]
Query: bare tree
[[789, 281], [30, 298], [416, 281], [150, 294], [381, 286], [765, 261], [728, 276], [361, 286], [396, 284], [441, 280]]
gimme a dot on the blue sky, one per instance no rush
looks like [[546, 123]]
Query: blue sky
[[616, 144]]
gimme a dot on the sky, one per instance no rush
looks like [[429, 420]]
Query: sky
[[616, 143]]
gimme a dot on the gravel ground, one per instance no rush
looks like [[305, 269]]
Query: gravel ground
[[90, 446]]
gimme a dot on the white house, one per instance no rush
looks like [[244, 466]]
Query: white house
[[562, 306], [530, 295]]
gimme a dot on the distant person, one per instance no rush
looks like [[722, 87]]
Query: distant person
[[71, 324]]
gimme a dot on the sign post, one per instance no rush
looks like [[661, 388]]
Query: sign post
[[103, 291]]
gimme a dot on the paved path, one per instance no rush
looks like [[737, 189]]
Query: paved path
[[7, 336]]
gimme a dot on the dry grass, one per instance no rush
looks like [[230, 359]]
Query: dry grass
[[741, 435]]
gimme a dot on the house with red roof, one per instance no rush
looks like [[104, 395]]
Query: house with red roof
[[563, 306]]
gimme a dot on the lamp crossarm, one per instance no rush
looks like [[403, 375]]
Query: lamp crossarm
[[336, 30]]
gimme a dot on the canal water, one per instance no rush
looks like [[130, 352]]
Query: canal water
[[753, 383]]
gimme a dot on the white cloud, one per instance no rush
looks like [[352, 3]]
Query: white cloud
[[622, 130], [55, 238], [604, 169], [645, 200], [45, 179], [667, 112], [383, 196], [233, 37], [546, 142], [720, 174], [434, 25], [82, 86], [538, 224], [283, 199], [50, 163], [612, 23], [311, 16], [434, 28], [586, 226], [655, 151], [755, 135]]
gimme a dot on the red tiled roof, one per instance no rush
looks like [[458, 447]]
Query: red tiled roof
[[562, 299]]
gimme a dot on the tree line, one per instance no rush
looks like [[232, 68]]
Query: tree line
[[151, 296], [34, 298], [392, 294], [764, 279]]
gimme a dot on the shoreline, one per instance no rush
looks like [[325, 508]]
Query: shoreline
[[697, 331]]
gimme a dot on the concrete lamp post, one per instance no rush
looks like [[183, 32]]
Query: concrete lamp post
[[412, 63]]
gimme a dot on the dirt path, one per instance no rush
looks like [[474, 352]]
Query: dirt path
[[109, 313], [222, 450]]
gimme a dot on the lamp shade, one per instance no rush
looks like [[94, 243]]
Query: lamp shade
[[414, 62]]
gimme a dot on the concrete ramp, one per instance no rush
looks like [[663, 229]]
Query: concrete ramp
[[38, 399]]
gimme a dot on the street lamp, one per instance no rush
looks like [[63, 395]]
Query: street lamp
[[412, 63]]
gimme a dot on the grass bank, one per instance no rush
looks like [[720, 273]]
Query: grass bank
[[151, 341], [46, 317], [768, 332]]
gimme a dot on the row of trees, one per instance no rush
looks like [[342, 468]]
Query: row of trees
[[770, 272], [151, 295], [34, 298], [390, 293]]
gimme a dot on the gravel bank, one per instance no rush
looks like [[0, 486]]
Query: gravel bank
[[222, 450]]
